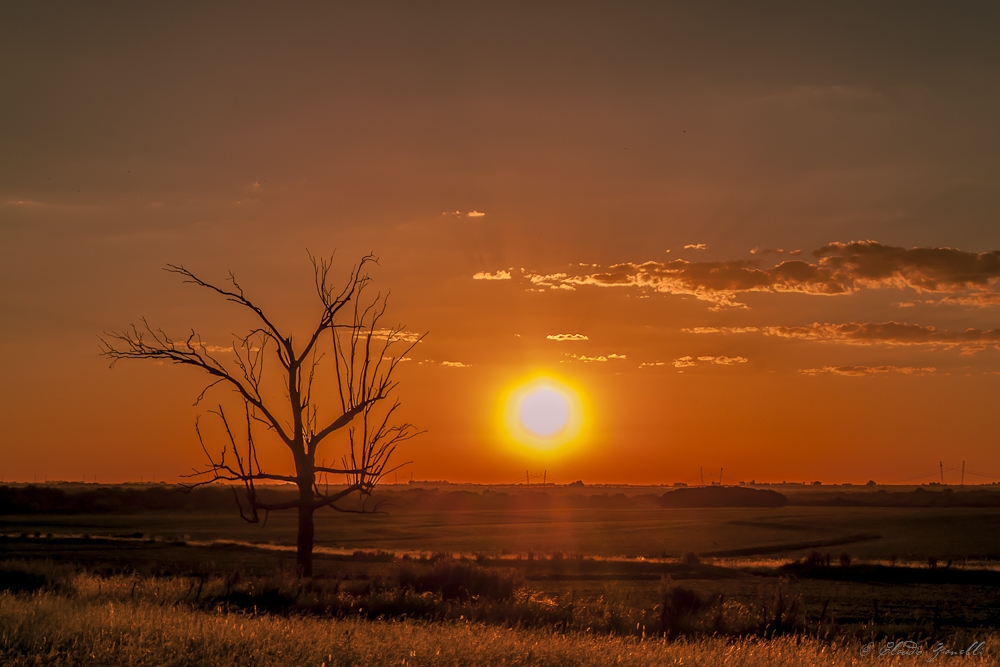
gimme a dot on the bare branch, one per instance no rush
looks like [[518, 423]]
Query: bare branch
[[364, 360]]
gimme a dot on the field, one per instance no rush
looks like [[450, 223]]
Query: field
[[740, 585]]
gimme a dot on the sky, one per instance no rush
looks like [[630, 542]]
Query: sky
[[761, 237]]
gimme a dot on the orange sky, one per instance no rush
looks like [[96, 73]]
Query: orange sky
[[682, 187]]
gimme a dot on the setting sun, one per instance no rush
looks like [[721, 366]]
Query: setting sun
[[543, 414]]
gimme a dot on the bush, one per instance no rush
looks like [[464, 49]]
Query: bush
[[680, 609], [454, 580], [18, 576]]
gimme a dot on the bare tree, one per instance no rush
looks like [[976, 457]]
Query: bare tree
[[365, 354]]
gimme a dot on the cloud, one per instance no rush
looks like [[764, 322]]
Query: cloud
[[547, 280], [724, 361], [650, 364], [695, 246], [871, 333], [722, 330], [587, 360], [838, 269], [397, 335], [455, 364], [193, 345], [499, 275], [978, 299], [860, 371], [471, 214], [567, 337], [685, 362], [889, 333]]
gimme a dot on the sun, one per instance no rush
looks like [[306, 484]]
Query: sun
[[543, 414]]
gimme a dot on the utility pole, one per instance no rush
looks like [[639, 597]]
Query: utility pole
[[545, 475], [701, 471], [720, 476], [941, 465], [527, 478], [963, 473]]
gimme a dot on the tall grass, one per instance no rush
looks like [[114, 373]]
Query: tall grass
[[454, 591], [53, 629]]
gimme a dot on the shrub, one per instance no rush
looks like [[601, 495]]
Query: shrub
[[19, 576], [680, 609], [691, 558], [454, 580]]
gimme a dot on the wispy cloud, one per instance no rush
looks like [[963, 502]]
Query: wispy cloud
[[861, 371], [687, 361], [471, 214], [777, 251], [978, 299], [455, 364], [402, 336], [585, 359], [499, 275], [722, 330], [567, 337], [723, 360], [889, 333], [695, 246], [871, 333]]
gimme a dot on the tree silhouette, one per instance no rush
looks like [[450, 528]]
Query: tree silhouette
[[365, 354]]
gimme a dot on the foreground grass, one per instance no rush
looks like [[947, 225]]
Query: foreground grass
[[52, 629]]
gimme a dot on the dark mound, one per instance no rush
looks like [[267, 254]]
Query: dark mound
[[723, 496]]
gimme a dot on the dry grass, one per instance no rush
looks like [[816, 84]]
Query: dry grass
[[106, 624]]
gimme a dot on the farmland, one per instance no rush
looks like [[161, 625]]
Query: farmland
[[587, 563], [608, 523]]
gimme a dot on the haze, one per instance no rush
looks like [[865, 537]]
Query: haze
[[757, 237]]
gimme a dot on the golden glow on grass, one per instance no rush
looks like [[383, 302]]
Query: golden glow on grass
[[543, 413]]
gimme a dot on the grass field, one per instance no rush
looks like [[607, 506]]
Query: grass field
[[96, 628], [592, 584]]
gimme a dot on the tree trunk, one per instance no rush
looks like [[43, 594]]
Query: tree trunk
[[305, 539]]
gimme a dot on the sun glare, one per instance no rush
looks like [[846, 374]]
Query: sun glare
[[543, 414]]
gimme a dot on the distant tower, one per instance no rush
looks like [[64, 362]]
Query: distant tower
[[941, 465], [963, 473], [720, 476]]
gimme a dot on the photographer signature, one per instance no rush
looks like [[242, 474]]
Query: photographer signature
[[909, 647]]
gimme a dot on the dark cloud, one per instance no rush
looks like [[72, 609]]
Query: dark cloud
[[889, 333], [872, 264], [839, 268]]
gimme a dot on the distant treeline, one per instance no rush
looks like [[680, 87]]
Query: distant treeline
[[723, 496], [919, 497], [106, 499], [31, 499]]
